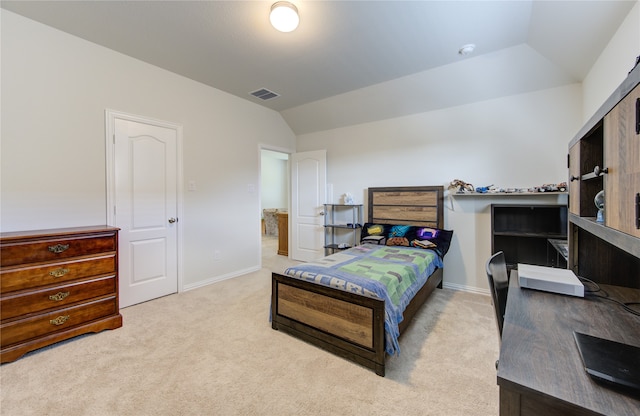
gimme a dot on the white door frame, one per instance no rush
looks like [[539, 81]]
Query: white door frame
[[110, 117]]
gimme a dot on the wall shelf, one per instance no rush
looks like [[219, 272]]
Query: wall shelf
[[614, 237]]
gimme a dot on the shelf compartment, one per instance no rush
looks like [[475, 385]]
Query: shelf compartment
[[535, 220], [523, 232]]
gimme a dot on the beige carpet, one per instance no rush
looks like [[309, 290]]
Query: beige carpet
[[212, 351]]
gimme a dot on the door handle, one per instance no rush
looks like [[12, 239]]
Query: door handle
[[321, 213], [172, 220]]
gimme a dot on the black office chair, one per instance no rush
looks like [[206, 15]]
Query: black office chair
[[498, 285]]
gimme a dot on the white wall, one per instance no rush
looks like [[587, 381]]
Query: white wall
[[55, 89], [516, 141], [613, 64]]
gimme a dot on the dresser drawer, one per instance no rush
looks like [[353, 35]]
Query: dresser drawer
[[61, 319], [23, 303], [55, 273], [54, 249]]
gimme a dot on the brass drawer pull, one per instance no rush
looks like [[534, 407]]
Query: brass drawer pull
[[58, 296], [58, 248], [59, 272], [59, 320]]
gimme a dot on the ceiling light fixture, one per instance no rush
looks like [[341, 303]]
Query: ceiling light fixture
[[467, 49], [284, 16]]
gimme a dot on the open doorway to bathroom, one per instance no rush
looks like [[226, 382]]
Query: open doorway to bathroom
[[274, 200]]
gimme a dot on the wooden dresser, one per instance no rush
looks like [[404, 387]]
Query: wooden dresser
[[56, 284]]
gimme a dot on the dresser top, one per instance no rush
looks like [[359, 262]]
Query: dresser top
[[55, 232]]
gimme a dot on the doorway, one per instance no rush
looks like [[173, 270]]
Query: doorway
[[274, 195]]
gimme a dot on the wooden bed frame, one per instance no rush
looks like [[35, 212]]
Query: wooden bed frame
[[347, 324]]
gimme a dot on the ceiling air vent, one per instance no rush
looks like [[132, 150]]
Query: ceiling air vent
[[264, 94]]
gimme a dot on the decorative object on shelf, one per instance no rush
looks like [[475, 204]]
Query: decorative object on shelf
[[486, 189], [552, 187], [599, 201], [464, 188], [348, 199], [460, 187]]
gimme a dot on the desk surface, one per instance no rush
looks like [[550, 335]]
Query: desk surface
[[539, 357]]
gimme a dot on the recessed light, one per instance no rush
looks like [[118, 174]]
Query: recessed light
[[467, 49]]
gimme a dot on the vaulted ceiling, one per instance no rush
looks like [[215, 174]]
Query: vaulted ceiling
[[351, 62]]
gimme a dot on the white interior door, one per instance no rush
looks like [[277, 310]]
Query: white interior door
[[146, 208], [308, 194]]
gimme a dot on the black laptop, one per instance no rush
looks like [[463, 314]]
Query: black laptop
[[611, 363]]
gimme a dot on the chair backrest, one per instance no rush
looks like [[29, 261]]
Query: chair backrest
[[498, 285], [270, 216]]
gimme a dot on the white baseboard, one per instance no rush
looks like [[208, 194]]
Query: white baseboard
[[217, 279], [471, 289]]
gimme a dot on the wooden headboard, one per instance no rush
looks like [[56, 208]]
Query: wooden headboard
[[415, 205]]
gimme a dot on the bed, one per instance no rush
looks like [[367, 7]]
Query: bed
[[317, 303]]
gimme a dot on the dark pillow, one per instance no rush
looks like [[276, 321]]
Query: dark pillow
[[423, 244], [374, 239]]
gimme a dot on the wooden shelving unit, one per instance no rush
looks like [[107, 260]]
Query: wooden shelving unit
[[342, 225], [603, 156]]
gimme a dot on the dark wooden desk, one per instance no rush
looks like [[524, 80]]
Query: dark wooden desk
[[540, 371]]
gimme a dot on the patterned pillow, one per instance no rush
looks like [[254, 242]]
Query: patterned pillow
[[399, 231], [426, 233], [372, 229], [398, 241]]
